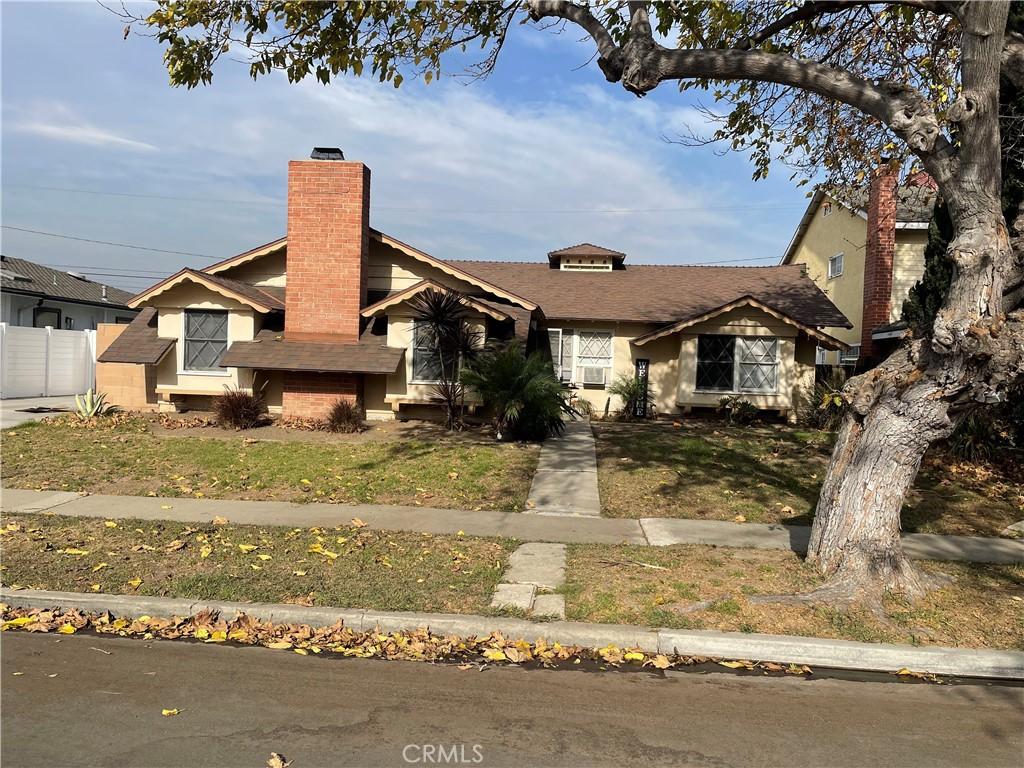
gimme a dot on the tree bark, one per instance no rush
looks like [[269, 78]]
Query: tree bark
[[976, 351]]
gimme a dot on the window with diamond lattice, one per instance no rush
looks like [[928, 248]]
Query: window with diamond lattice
[[715, 358], [757, 362], [594, 348], [206, 339]]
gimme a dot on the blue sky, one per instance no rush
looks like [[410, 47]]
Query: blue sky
[[541, 155]]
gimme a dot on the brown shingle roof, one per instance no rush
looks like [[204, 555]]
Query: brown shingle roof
[[138, 343], [659, 293], [271, 351], [262, 296]]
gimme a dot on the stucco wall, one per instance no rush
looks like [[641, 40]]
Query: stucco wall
[[841, 231], [16, 309], [266, 270], [171, 377], [908, 267]]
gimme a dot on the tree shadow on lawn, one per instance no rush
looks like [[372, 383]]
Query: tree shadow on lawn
[[760, 468]]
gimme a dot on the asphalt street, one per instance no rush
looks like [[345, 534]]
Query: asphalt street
[[83, 700]]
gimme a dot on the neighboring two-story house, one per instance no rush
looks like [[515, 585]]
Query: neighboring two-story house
[[866, 252], [324, 313]]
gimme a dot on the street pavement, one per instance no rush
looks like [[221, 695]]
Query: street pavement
[[87, 700]]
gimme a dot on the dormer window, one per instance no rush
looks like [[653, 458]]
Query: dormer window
[[586, 257]]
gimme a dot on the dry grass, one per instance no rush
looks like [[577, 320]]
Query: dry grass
[[122, 457], [983, 607], [372, 569], [708, 470]]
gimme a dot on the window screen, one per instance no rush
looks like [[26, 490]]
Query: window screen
[[757, 363], [595, 349], [560, 340], [206, 339]]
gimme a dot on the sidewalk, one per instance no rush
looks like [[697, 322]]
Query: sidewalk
[[566, 479], [562, 529], [13, 413]]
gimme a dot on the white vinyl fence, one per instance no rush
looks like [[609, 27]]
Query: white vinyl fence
[[43, 362]]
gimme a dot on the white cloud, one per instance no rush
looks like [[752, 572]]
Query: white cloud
[[56, 121]]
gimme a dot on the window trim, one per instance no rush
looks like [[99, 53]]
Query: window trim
[[845, 359], [736, 390], [841, 255], [576, 365], [182, 370], [36, 311]]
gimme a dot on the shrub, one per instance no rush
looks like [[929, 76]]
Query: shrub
[[527, 401], [978, 437], [239, 409], [635, 394], [827, 402], [345, 416], [737, 410]]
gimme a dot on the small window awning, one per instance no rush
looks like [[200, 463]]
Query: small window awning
[[271, 351]]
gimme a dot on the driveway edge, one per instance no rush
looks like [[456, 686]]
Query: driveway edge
[[814, 652]]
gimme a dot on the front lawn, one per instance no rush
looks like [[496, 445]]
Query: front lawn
[[700, 587], [708, 470], [345, 566], [121, 456]]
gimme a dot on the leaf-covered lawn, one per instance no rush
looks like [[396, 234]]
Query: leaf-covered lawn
[[700, 587], [346, 567], [771, 473], [122, 457]]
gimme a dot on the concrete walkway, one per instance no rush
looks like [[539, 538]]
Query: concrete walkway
[[534, 571], [13, 413], [558, 529], [566, 478]]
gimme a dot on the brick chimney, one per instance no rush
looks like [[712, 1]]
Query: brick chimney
[[328, 243], [878, 257]]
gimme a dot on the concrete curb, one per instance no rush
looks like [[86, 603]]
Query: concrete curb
[[837, 654]]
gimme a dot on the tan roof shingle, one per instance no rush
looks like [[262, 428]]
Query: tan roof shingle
[[270, 350], [138, 343]]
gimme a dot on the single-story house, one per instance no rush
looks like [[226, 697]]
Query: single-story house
[[324, 313], [38, 296]]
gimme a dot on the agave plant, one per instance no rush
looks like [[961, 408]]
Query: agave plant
[[92, 404]]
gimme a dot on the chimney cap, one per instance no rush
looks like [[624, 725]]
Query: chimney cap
[[326, 153]]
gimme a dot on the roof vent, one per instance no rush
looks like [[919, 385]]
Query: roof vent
[[327, 153], [77, 276]]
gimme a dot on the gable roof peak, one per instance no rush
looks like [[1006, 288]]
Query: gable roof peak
[[585, 249]]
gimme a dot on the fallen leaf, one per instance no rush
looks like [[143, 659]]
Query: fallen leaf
[[357, 523], [247, 548], [73, 551], [660, 662], [205, 552], [298, 573], [301, 651], [633, 656], [170, 712], [493, 654], [67, 629], [110, 524], [278, 761], [166, 506], [732, 664], [264, 557], [739, 519], [220, 520], [98, 567], [279, 645], [94, 587], [135, 583]]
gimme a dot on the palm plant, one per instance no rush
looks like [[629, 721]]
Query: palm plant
[[443, 317], [636, 397], [527, 400]]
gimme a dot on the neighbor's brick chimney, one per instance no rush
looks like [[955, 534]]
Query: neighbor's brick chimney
[[328, 243], [878, 256]]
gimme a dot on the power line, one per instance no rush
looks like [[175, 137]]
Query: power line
[[421, 209], [105, 242]]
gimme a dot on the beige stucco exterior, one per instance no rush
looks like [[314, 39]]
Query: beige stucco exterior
[[673, 358], [841, 230]]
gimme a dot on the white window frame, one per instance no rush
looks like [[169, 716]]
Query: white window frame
[[820, 356], [736, 389], [576, 365], [841, 256], [412, 358], [561, 371], [182, 370], [850, 356]]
